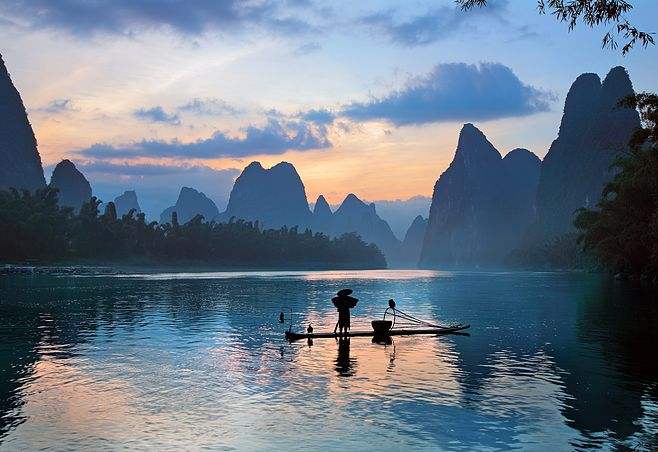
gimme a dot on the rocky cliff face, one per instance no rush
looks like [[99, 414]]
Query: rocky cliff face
[[481, 204], [189, 204], [74, 188], [577, 166], [413, 241], [517, 192], [20, 163], [127, 202], [275, 197]]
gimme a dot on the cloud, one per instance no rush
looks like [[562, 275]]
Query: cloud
[[524, 33], [126, 17], [139, 169], [321, 116], [276, 137], [56, 106], [455, 92], [157, 114], [307, 48], [158, 185], [434, 25], [209, 107]]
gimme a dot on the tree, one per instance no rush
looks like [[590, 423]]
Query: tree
[[591, 13], [111, 211], [35, 227], [623, 232]]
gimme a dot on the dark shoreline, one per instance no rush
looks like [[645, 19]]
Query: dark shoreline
[[110, 268]]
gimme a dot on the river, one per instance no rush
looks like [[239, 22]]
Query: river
[[557, 361]]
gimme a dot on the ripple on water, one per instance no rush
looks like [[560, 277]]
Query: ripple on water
[[174, 361]]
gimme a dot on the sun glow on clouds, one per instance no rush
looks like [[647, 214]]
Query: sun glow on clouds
[[382, 103]]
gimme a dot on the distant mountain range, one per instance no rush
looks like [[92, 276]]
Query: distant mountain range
[[400, 213], [276, 197], [127, 202], [189, 204], [353, 215], [484, 206]]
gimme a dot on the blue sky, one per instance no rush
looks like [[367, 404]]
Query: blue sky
[[365, 98]]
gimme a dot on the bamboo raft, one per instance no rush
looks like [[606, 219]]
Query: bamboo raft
[[437, 331]]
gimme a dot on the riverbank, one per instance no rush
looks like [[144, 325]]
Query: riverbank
[[95, 268]]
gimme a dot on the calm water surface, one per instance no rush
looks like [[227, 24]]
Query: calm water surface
[[173, 361]]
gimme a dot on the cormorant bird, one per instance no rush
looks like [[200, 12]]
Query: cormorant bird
[[282, 318], [309, 330], [391, 303]]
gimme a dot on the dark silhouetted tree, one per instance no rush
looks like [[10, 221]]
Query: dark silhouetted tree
[[111, 211], [35, 227], [591, 13], [623, 231]]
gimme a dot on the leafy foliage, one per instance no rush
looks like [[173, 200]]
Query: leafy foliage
[[563, 253], [592, 13], [624, 230], [34, 227]]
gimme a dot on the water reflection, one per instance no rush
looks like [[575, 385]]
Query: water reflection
[[616, 333], [556, 360], [323, 275], [345, 366]]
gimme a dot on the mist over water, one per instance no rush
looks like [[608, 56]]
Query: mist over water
[[179, 361]]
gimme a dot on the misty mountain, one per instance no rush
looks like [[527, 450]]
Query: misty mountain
[[593, 131], [127, 202], [189, 204], [275, 197], [481, 204], [354, 215], [399, 214], [413, 241], [74, 188], [322, 214], [20, 163], [158, 185]]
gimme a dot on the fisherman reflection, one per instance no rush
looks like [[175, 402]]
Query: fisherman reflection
[[345, 366], [309, 330]]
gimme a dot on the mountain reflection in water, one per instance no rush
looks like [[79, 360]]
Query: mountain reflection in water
[[185, 361]]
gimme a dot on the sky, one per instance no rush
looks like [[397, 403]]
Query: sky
[[363, 97]]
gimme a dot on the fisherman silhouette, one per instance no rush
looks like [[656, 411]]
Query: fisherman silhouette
[[344, 303]]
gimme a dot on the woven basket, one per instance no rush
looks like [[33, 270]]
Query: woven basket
[[381, 326]]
